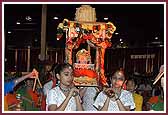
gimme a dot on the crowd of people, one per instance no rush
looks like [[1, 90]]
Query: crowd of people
[[59, 93]]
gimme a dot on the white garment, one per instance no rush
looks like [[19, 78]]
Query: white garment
[[57, 97], [88, 99], [125, 97], [145, 88], [47, 87], [162, 82]]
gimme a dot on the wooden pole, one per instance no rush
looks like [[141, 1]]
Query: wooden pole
[[16, 57], [56, 54], [42, 55], [28, 59]]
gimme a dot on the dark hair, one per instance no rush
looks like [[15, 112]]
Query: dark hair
[[60, 67], [119, 71], [53, 67], [133, 80]]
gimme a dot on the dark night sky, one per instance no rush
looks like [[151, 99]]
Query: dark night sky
[[137, 24]]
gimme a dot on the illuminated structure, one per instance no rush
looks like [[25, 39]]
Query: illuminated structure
[[96, 34]]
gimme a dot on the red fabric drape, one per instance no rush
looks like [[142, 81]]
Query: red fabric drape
[[85, 72]]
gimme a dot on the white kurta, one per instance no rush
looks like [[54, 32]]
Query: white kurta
[[47, 87], [125, 97], [88, 99], [56, 96]]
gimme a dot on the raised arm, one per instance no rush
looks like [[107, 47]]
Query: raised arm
[[33, 74], [8, 86]]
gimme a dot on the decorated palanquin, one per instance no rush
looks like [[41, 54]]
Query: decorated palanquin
[[97, 35]]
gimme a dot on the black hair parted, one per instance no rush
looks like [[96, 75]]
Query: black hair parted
[[62, 66]]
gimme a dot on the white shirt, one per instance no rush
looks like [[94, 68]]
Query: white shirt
[[144, 87], [125, 97], [47, 87], [88, 99], [57, 97]]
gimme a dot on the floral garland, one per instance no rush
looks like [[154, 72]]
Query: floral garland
[[84, 28]]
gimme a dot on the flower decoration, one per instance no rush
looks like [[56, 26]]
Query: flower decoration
[[110, 26], [85, 31], [74, 39], [77, 27], [59, 36], [108, 34], [66, 23], [59, 32], [96, 28], [60, 26]]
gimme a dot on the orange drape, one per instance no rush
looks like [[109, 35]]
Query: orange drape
[[85, 72]]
